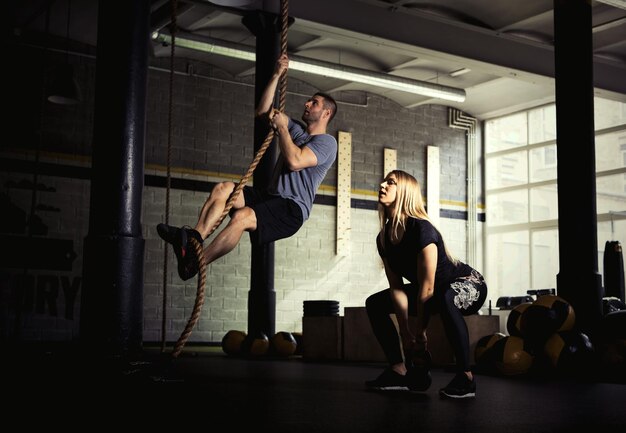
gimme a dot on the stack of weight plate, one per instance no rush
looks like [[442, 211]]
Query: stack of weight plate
[[321, 308]]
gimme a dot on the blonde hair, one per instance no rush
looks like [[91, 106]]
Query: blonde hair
[[409, 202]]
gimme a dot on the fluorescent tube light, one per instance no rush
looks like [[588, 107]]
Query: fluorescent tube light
[[459, 72], [318, 67]]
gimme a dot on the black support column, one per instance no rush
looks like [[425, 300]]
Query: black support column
[[262, 296], [578, 280], [111, 318]]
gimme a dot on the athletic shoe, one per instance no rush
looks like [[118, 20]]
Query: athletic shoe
[[459, 387], [184, 251], [418, 378], [388, 380]]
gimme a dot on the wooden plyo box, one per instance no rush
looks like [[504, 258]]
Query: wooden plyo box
[[477, 325], [360, 344], [322, 338]]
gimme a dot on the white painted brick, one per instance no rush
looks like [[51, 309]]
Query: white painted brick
[[305, 265], [209, 325]]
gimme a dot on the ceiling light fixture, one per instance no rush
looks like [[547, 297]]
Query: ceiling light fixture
[[459, 72], [318, 67]]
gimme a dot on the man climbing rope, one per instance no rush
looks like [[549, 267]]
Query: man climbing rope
[[306, 154]]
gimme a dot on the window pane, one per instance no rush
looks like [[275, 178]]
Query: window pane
[[506, 133], [507, 170], [507, 208], [543, 163], [521, 259], [544, 203], [508, 271], [542, 124], [610, 150], [611, 193], [545, 258], [608, 113]]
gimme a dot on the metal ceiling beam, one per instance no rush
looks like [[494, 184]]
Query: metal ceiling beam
[[377, 23], [621, 4]]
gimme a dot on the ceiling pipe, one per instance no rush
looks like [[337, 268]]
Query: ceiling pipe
[[457, 119]]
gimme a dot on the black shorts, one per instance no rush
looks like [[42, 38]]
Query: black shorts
[[276, 217]]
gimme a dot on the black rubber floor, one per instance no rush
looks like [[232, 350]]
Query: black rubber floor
[[207, 388]]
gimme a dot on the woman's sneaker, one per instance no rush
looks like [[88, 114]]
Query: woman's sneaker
[[388, 380], [418, 378], [459, 387]]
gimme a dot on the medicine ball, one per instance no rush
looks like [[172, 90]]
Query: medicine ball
[[613, 324], [283, 344], [537, 323], [231, 342], [256, 344], [611, 304], [481, 351], [511, 356], [564, 312], [298, 338], [570, 352], [613, 342], [613, 354], [513, 322]]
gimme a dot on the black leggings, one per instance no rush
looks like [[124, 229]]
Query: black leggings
[[463, 297]]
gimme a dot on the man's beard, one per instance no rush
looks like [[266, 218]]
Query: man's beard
[[310, 118]]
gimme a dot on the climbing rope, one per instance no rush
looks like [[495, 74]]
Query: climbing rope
[[173, 29], [199, 302]]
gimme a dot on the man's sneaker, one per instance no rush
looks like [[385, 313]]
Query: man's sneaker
[[459, 387], [388, 380], [184, 251]]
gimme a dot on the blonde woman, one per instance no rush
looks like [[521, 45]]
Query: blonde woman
[[413, 249]]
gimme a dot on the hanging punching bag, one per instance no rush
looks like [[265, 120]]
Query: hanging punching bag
[[613, 270]]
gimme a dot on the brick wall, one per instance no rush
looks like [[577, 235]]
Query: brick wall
[[212, 141]]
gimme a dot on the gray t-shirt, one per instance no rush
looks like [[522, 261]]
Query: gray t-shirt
[[301, 186]]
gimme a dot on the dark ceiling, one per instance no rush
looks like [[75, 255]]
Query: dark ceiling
[[505, 47]]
